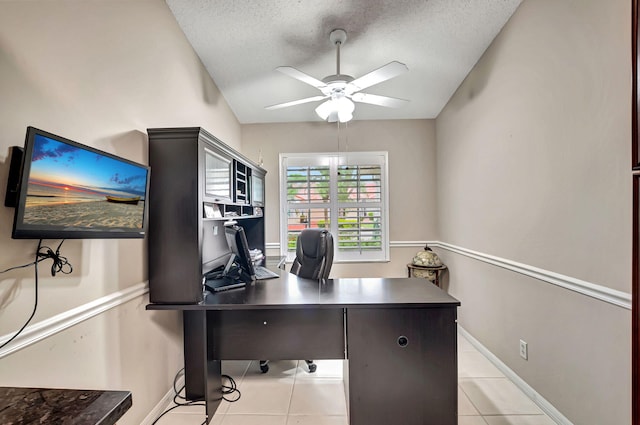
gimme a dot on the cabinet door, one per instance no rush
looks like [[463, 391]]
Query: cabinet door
[[402, 366], [257, 190], [217, 177]]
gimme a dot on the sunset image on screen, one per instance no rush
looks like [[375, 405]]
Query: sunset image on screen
[[74, 187]]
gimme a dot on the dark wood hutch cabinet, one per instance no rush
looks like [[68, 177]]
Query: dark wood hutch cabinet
[[197, 183]]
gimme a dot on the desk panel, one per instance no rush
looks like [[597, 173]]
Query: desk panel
[[277, 334], [402, 366]]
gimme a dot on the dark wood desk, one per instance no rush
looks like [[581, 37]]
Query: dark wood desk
[[398, 334]]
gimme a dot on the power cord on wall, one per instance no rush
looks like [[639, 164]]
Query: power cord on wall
[[226, 389], [60, 264]]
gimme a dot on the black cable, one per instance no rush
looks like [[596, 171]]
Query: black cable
[[230, 389], [18, 267], [35, 304], [226, 389], [60, 264]]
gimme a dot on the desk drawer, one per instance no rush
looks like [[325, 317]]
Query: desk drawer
[[276, 334]]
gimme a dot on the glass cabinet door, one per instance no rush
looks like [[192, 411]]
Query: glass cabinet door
[[257, 190], [217, 181]]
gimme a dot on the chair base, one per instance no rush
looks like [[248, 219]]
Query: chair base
[[264, 366]]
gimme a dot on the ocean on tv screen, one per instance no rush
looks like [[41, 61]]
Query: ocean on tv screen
[[73, 187]]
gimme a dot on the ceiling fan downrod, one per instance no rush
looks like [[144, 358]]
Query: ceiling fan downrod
[[338, 37]]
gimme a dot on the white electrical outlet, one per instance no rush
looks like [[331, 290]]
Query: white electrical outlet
[[524, 350]]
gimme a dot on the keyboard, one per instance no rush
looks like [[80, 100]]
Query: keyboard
[[262, 273], [228, 287]]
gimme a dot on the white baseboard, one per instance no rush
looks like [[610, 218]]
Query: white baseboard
[[540, 401]]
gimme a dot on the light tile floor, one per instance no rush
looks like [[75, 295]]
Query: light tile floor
[[289, 395]]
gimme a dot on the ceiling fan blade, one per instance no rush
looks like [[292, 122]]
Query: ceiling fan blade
[[299, 75], [296, 102], [384, 73], [374, 99]]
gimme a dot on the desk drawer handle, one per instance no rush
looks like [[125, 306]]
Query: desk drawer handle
[[403, 341]]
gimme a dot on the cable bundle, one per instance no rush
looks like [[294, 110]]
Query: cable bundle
[[60, 264]]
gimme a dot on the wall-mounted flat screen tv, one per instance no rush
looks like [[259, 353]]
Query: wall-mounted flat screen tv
[[71, 191]]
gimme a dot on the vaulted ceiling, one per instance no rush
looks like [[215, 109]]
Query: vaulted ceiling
[[241, 42]]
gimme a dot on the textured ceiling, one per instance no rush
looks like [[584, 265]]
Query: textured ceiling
[[241, 42]]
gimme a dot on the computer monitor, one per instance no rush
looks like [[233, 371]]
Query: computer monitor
[[240, 256]]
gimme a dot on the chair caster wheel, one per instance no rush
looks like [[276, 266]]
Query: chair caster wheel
[[312, 368], [264, 368]]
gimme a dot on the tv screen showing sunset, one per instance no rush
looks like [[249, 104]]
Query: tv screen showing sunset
[[73, 187]]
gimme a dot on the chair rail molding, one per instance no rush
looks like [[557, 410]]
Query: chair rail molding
[[593, 290], [51, 326], [603, 293]]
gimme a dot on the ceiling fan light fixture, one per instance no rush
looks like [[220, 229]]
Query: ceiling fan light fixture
[[324, 109], [340, 109]]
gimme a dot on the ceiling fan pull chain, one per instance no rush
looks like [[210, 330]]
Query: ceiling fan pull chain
[[338, 137], [346, 137]]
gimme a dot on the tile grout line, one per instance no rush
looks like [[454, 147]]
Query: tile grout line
[[460, 386], [293, 387]]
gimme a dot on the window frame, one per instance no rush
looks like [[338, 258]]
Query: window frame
[[334, 160]]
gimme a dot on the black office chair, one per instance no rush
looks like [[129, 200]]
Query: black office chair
[[314, 254], [314, 258]]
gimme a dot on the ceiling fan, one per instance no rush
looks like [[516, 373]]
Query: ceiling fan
[[342, 90]]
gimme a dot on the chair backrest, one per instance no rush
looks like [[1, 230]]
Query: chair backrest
[[314, 254]]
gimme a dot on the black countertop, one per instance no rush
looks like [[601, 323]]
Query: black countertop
[[23, 406]]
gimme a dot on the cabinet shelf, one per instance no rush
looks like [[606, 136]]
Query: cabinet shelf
[[223, 211], [241, 182], [244, 217]]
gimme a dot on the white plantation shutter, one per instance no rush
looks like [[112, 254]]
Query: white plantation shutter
[[359, 207], [307, 198], [345, 194]]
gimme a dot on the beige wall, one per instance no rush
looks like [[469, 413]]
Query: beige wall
[[412, 202], [533, 161], [100, 73]]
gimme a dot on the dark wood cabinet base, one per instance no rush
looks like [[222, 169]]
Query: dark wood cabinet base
[[402, 366]]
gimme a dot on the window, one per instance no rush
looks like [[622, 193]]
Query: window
[[345, 193]]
